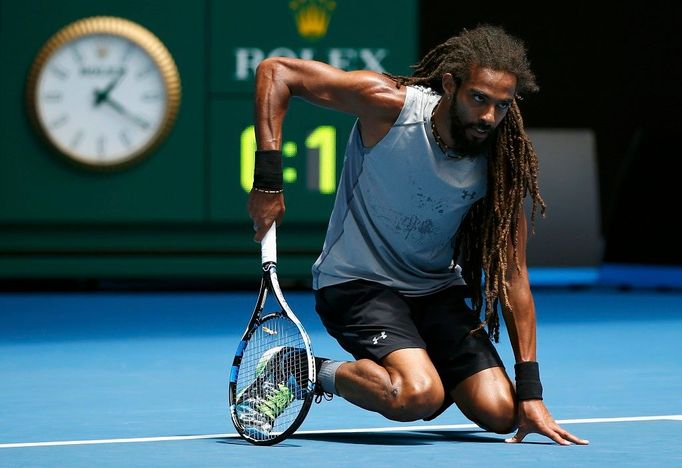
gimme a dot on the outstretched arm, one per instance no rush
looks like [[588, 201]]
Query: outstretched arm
[[373, 98], [533, 415]]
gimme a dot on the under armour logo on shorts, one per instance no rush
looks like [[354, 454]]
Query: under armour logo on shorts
[[376, 339]]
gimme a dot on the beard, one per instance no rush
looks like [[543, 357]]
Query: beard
[[464, 144]]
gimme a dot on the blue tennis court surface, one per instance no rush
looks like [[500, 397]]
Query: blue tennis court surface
[[140, 379]]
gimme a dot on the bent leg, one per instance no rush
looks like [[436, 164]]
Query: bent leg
[[488, 399], [404, 387]]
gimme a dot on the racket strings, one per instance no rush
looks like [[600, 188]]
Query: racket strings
[[273, 380]]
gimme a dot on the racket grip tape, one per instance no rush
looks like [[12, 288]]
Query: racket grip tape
[[268, 245]]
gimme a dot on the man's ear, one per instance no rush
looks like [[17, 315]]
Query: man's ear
[[449, 84]]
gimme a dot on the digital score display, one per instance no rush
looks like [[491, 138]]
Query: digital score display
[[313, 146], [319, 150]]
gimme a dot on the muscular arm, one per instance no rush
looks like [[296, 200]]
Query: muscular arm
[[372, 97], [533, 415], [521, 324]]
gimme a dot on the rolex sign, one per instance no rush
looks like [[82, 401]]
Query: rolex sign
[[351, 35]]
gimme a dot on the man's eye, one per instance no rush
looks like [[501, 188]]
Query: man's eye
[[479, 98], [504, 105]]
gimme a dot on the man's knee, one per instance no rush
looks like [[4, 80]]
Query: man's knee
[[414, 399]]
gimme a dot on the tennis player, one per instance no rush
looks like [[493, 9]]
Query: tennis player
[[430, 203]]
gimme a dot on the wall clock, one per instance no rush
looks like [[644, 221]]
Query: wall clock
[[104, 92]]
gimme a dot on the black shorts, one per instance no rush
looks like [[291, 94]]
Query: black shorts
[[370, 320]]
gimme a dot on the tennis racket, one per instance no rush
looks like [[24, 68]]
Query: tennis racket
[[273, 373]]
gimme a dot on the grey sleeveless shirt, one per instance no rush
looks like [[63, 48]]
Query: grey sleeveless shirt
[[398, 207]]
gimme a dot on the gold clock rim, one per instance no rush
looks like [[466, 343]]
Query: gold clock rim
[[139, 35]]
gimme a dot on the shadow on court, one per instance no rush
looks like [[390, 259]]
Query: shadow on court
[[387, 438]]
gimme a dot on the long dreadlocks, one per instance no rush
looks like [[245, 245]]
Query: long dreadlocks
[[482, 242]]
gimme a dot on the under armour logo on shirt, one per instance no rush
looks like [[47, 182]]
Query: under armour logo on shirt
[[376, 339]]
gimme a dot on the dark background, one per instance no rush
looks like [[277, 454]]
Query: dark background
[[616, 72]]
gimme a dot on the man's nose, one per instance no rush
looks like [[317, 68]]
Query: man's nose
[[488, 115]]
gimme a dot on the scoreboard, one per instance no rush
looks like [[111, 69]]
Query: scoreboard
[[351, 35]]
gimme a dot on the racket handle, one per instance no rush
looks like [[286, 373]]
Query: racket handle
[[268, 246]]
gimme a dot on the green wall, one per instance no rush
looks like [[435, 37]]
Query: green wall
[[181, 211]]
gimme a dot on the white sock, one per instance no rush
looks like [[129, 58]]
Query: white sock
[[327, 375]]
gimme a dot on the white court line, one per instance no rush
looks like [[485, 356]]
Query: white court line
[[672, 417]]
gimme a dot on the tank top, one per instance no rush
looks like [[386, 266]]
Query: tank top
[[399, 205]]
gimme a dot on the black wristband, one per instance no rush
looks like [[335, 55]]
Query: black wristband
[[267, 174], [528, 386]]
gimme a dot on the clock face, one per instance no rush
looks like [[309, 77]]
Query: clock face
[[101, 99]]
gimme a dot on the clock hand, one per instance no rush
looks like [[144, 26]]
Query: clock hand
[[122, 110], [101, 96]]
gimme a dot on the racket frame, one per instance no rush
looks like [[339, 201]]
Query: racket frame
[[270, 283]]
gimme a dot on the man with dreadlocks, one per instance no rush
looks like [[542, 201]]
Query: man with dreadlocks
[[430, 203]]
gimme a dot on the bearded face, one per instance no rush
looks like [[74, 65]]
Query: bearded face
[[480, 102], [472, 136]]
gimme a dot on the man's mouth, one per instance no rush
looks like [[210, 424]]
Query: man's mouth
[[479, 132]]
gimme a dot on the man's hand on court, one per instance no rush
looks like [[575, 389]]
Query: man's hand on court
[[534, 417], [264, 208]]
